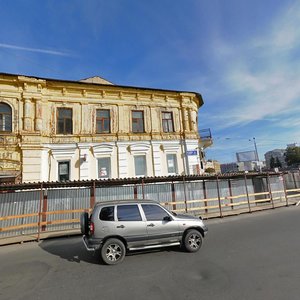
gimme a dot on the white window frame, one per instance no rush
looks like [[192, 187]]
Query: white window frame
[[69, 169], [175, 163], [134, 159], [98, 171]]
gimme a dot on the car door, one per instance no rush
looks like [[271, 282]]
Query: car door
[[130, 225], [161, 227]]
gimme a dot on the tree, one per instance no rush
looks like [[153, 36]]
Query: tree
[[210, 170], [272, 162], [278, 163], [292, 156]]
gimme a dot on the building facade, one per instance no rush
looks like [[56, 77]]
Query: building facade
[[55, 130], [276, 154]]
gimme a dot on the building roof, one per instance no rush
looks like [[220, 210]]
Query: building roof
[[91, 81]]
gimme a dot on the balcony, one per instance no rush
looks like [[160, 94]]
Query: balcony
[[205, 138]]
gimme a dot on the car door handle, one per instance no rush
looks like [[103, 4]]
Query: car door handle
[[121, 226], [151, 225]]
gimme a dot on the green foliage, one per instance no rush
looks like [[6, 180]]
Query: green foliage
[[292, 156], [210, 170], [278, 163], [272, 162]]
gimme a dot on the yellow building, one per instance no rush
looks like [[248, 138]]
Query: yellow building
[[54, 130]]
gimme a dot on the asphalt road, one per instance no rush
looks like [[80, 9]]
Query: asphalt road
[[253, 256]]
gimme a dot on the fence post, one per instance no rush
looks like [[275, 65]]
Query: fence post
[[93, 193], [219, 198], [270, 190], [45, 208], [294, 179], [135, 192], [143, 190], [184, 188], [173, 195], [284, 188], [205, 196], [247, 192], [230, 193], [40, 212]]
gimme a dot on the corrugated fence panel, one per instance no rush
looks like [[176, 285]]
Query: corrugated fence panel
[[297, 180], [16, 204], [181, 195], [114, 193], [212, 193], [238, 187], [196, 192], [276, 184], [225, 193], [66, 199], [161, 192], [289, 181]]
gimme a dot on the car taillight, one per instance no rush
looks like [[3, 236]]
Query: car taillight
[[92, 228]]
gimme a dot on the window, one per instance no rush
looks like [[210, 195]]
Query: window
[[107, 213], [64, 121], [138, 121], [102, 121], [129, 213], [104, 170], [172, 163], [5, 118], [63, 170], [154, 212], [140, 165], [167, 122]]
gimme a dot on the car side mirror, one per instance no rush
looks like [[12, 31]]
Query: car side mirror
[[167, 219]]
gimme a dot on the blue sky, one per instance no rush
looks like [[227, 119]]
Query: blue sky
[[242, 56]]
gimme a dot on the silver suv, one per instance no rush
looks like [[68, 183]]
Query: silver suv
[[118, 226]]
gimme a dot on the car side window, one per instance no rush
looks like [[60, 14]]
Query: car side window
[[128, 213], [154, 212], [107, 213]]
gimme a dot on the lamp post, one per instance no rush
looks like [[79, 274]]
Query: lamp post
[[256, 153]]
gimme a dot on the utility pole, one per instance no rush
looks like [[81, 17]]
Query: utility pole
[[256, 153]]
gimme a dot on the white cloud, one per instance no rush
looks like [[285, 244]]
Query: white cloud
[[262, 74], [45, 51]]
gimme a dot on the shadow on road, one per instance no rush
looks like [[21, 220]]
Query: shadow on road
[[71, 249]]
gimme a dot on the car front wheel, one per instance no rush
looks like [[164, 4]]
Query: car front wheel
[[113, 251], [192, 240]]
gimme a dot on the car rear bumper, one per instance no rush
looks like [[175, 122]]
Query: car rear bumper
[[205, 230], [91, 244]]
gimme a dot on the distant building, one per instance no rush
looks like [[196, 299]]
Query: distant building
[[276, 153], [213, 164], [229, 167], [251, 166]]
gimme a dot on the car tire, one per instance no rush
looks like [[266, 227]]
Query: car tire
[[192, 240], [113, 251], [84, 223]]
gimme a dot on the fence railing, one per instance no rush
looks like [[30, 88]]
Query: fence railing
[[30, 210]]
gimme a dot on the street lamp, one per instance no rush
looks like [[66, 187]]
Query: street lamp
[[255, 147]]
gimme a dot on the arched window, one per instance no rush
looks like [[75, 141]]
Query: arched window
[[5, 118]]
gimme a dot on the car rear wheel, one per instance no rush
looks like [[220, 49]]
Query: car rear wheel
[[84, 223], [113, 251], [192, 240]]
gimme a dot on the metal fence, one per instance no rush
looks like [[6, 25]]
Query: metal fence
[[34, 209]]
